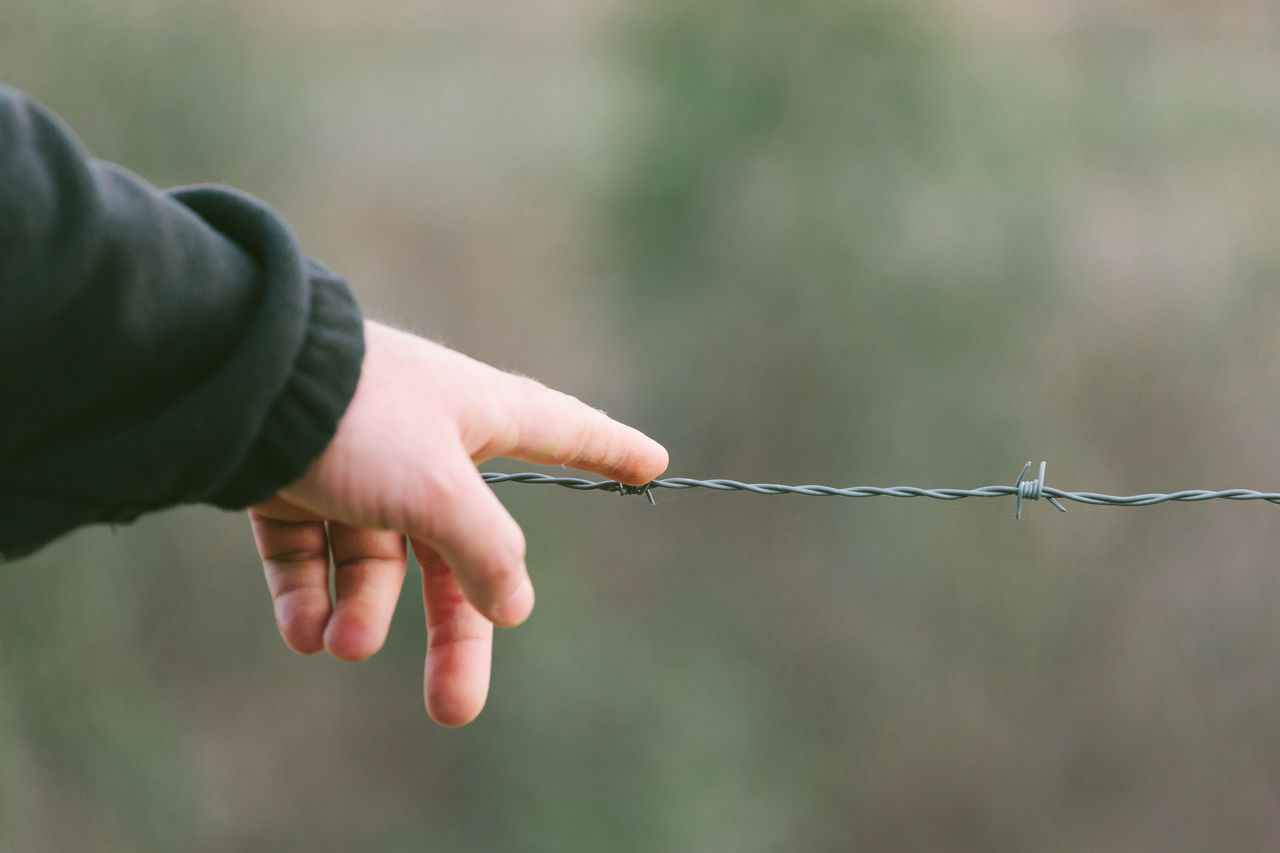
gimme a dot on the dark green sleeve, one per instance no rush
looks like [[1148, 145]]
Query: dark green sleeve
[[156, 348]]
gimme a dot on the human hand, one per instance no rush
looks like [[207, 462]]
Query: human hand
[[402, 465]]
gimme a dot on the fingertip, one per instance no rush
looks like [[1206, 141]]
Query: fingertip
[[646, 461], [305, 645], [455, 682], [352, 640], [301, 620], [450, 710], [517, 607], [656, 461]]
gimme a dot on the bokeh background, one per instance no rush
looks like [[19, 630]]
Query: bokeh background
[[875, 242]]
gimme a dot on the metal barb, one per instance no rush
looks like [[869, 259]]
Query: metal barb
[[646, 490], [1031, 489], [624, 489]]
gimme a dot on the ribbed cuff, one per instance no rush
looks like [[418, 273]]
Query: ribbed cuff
[[303, 419]]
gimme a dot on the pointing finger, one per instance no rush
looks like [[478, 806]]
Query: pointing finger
[[552, 428]]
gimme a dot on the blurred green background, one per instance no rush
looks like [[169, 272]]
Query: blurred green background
[[880, 243]]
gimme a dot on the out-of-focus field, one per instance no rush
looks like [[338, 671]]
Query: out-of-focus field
[[856, 243]]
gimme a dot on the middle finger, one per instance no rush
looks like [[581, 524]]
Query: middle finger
[[368, 571]]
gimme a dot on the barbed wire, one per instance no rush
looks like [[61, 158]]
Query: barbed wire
[[1023, 489]]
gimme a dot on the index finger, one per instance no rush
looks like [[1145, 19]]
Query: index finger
[[549, 427]]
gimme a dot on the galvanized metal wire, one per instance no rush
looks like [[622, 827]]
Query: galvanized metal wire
[[1022, 489]]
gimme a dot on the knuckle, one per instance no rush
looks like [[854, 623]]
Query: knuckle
[[457, 630], [580, 437], [430, 496], [613, 455], [287, 559], [489, 422]]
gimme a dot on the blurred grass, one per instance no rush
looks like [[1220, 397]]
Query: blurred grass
[[869, 243]]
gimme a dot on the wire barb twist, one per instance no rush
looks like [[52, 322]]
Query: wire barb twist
[[646, 490], [1022, 489], [1031, 489]]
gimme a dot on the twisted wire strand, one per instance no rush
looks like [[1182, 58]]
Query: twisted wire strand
[[1022, 489]]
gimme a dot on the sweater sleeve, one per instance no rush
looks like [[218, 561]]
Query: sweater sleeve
[[156, 348]]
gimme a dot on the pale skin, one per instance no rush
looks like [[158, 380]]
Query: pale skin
[[400, 472]]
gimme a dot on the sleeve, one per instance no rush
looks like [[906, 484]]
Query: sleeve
[[156, 348]]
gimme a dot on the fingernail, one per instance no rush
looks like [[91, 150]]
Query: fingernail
[[515, 609]]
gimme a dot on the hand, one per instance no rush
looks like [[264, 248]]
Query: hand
[[402, 464]]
